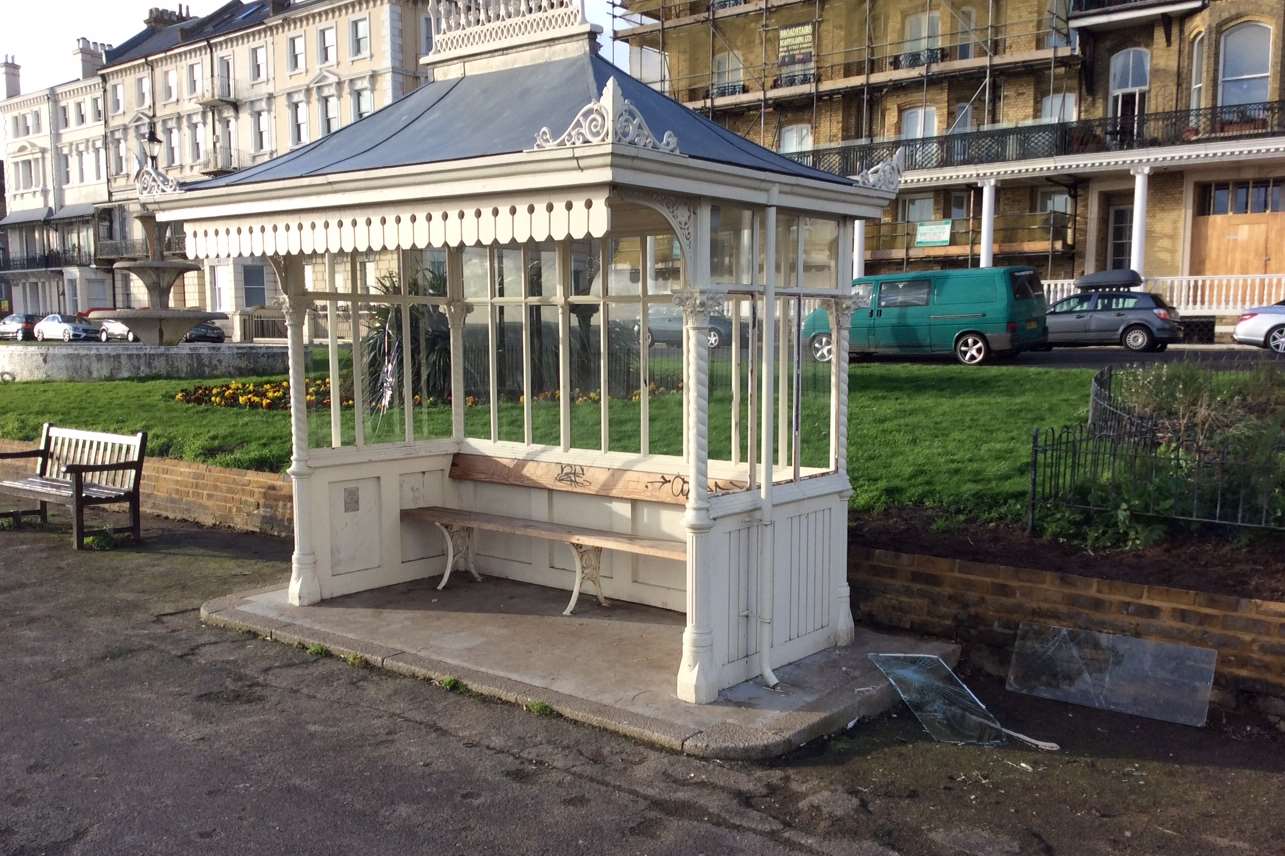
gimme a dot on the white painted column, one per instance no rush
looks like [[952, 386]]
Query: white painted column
[[305, 588], [697, 673], [1138, 242], [767, 534], [858, 248], [988, 223], [841, 322]]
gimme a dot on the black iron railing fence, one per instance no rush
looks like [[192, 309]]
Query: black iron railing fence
[[1053, 139], [1120, 461]]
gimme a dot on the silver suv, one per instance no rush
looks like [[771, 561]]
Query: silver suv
[[1105, 314]]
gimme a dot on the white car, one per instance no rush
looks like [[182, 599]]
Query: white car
[[1263, 327], [113, 329], [65, 327]]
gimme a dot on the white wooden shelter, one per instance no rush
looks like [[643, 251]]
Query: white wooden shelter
[[542, 216]]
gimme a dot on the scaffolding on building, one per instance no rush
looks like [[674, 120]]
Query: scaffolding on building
[[814, 54]]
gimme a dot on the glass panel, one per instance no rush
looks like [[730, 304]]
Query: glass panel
[[1221, 199], [731, 238], [1247, 91], [1258, 197], [1159, 680], [430, 369], [317, 377], [542, 277], [787, 251], [665, 378], [1245, 50], [509, 372], [476, 269], [426, 272], [381, 332], [585, 341], [815, 393], [946, 708], [820, 253], [508, 272], [669, 265], [1240, 197], [784, 410], [626, 273], [477, 372], [586, 261], [545, 412], [623, 378]]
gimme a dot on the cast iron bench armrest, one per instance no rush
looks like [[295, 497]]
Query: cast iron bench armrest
[[123, 466], [29, 453]]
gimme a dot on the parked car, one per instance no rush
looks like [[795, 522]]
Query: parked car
[[665, 326], [1263, 327], [66, 327], [113, 329], [18, 327], [205, 332], [1108, 311], [972, 313]]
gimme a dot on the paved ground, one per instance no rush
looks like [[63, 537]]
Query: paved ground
[[128, 728]]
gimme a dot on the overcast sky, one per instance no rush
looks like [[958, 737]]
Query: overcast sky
[[42, 37]]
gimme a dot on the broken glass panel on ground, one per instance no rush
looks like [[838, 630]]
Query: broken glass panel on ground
[[1158, 680], [946, 708]]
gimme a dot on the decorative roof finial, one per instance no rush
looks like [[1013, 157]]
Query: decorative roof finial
[[610, 119]]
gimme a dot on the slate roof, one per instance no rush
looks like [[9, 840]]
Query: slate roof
[[228, 18], [499, 112]]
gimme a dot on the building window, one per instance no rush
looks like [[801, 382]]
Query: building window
[[363, 103], [1119, 237], [1047, 200], [796, 138], [915, 209], [1254, 196], [143, 91], [198, 142], [64, 166], [1058, 108], [171, 146], [171, 85], [258, 63], [262, 134], [1130, 79], [966, 41], [35, 121], [329, 114], [119, 158], [959, 204], [96, 108], [195, 78], [256, 293], [64, 116], [118, 98], [727, 75], [360, 41], [918, 122], [922, 31], [223, 77], [80, 112], [963, 119], [1246, 64], [1197, 72], [327, 51], [298, 123], [297, 52]]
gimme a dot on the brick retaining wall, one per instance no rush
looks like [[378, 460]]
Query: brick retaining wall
[[213, 496], [982, 605]]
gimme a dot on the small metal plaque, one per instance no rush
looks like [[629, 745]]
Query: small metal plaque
[[352, 500]]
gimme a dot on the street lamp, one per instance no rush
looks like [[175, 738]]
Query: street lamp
[[153, 145]]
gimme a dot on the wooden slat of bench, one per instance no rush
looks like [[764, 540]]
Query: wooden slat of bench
[[552, 532], [56, 490]]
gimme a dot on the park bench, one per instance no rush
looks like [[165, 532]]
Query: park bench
[[458, 526], [79, 469]]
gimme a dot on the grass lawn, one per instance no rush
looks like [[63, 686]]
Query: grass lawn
[[919, 434]]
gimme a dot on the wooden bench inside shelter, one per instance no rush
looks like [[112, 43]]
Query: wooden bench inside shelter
[[458, 526], [79, 469]]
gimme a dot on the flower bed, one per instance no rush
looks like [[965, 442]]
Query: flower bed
[[273, 395]]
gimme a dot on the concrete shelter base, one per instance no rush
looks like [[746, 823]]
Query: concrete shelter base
[[612, 667]]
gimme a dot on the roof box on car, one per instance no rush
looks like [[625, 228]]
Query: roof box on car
[[1108, 280]]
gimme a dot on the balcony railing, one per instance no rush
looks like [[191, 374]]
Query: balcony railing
[[1037, 232], [42, 261], [136, 248], [1088, 7], [225, 160], [1054, 139]]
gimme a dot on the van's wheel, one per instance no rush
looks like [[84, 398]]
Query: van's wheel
[[1137, 339], [103, 337], [971, 349], [822, 348], [1275, 340], [713, 338]]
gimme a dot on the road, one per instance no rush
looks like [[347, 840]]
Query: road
[[126, 727]]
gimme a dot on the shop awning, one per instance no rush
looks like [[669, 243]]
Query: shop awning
[[74, 212], [28, 215]]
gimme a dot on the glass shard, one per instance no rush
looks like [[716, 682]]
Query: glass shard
[[1158, 680], [946, 708]]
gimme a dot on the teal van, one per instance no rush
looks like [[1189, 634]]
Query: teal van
[[973, 313]]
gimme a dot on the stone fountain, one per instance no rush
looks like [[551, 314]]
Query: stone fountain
[[158, 324]]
